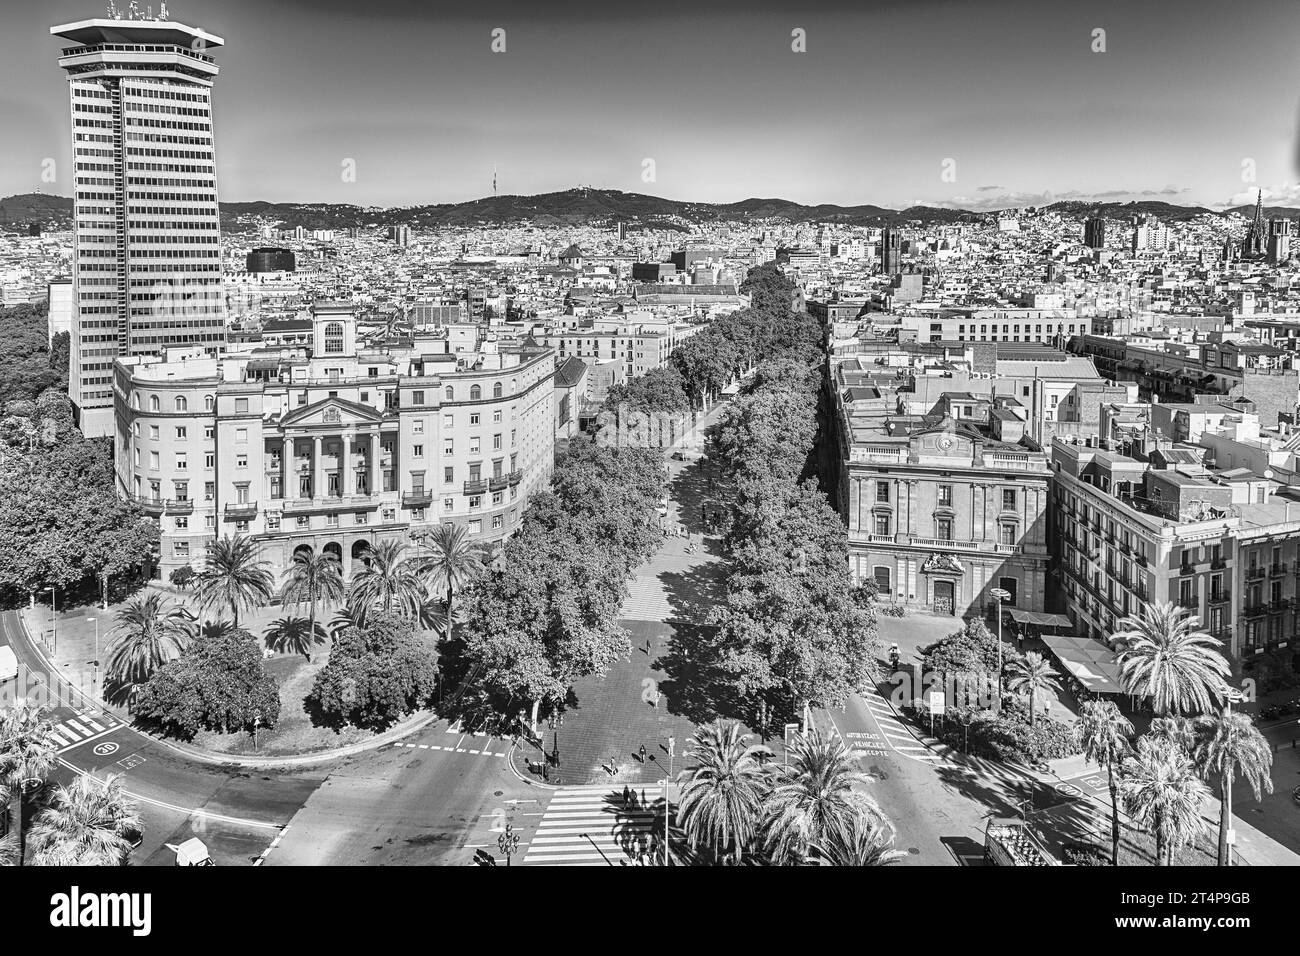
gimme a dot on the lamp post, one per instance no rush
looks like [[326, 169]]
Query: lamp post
[[54, 620], [95, 662], [1001, 595], [508, 842]]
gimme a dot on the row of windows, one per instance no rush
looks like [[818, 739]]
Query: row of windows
[[1010, 496], [173, 167], [157, 181], [175, 197], [1008, 531]]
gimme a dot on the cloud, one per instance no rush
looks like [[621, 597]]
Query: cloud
[[1285, 194], [991, 198]]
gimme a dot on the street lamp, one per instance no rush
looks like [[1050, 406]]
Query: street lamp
[[1001, 595], [54, 620], [95, 662], [508, 842]]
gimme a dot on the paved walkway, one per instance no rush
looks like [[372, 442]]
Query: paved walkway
[[670, 596]]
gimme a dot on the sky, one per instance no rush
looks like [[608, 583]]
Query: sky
[[1187, 103]]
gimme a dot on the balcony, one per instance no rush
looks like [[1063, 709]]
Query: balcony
[[179, 506], [945, 544], [1255, 609], [1255, 573], [1277, 570], [328, 504], [1280, 605], [476, 487], [498, 483], [418, 498], [1218, 564], [880, 538], [516, 476], [1223, 596], [241, 509], [150, 506], [1008, 548], [1140, 559]]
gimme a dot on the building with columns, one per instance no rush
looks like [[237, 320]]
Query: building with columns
[[941, 510], [332, 446]]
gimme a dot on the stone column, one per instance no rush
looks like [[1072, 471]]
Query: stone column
[[318, 469], [347, 483], [376, 477], [286, 468]]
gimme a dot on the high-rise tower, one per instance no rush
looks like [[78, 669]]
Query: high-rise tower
[[147, 268], [1255, 244]]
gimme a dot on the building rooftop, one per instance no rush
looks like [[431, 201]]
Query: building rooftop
[[102, 30]]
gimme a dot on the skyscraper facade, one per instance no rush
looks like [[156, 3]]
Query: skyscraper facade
[[147, 267], [1094, 232]]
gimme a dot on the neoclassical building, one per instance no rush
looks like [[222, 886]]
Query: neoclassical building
[[331, 446], [941, 510]]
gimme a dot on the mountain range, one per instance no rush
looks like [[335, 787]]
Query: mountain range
[[598, 207]]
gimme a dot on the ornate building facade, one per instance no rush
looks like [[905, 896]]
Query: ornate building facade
[[330, 446]]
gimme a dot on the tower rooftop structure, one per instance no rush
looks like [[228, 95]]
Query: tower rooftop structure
[[101, 30]]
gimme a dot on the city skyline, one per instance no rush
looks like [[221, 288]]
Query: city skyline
[[1017, 100]]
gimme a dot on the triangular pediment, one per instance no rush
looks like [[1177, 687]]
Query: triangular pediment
[[333, 412]]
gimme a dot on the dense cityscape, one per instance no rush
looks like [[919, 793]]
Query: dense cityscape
[[596, 528]]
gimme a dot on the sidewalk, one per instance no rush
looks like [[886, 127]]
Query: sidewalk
[[1253, 848]]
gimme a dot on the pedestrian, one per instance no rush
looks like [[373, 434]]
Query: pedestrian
[[627, 796], [643, 753], [647, 645]]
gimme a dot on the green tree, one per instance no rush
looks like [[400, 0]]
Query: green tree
[[865, 841], [312, 577], [88, 822], [1164, 795], [377, 673], [1032, 676], [28, 751], [454, 562], [722, 796], [234, 576], [1231, 748], [219, 684], [814, 798], [388, 581], [1166, 656], [294, 635], [148, 632], [1103, 735]]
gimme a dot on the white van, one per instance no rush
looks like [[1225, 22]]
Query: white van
[[8, 664]]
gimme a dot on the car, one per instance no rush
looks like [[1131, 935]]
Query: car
[[8, 664], [134, 836], [678, 456]]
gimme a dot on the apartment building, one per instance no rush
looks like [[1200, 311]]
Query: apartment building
[[1218, 543], [332, 447]]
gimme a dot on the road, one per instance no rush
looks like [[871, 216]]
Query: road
[[417, 802], [938, 802]]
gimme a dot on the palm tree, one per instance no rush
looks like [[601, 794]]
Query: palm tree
[[147, 632], [1229, 747], [1032, 676], [27, 752], [294, 635], [234, 576], [1166, 656], [453, 563], [388, 580], [312, 577], [866, 842], [86, 823], [813, 798], [1164, 795], [1103, 735], [721, 801]]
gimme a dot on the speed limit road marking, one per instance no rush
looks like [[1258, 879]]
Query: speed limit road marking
[[105, 749]]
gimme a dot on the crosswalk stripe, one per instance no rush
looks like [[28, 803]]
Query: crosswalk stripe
[[77, 727], [91, 721]]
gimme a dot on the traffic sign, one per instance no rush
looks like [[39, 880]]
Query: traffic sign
[[937, 701]]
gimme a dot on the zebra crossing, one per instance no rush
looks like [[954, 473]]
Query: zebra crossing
[[75, 731], [895, 733], [596, 825]]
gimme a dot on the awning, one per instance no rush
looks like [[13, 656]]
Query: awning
[[1091, 662], [1038, 618]]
